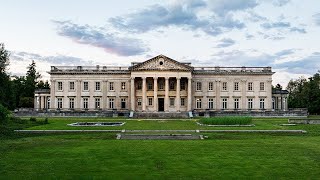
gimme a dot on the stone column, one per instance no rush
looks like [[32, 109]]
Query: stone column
[[189, 94], [53, 95], [104, 103], [132, 94], [178, 95], [166, 97], [155, 93], [243, 97], [144, 93], [78, 98], [218, 98]]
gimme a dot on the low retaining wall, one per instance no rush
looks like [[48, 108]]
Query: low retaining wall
[[304, 121], [71, 113], [291, 113]]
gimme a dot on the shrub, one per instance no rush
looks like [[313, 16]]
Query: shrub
[[4, 113], [238, 120], [33, 119], [46, 121]]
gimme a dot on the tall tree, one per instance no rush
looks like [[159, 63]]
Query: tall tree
[[5, 85], [4, 59]]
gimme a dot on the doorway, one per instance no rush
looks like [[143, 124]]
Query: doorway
[[160, 104]]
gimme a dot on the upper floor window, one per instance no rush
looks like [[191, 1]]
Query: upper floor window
[[261, 86], [85, 86], [59, 86], [123, 86], [182, 85], [210, 86], [150, 85], [161, 85], [171, 85], [236, 86], [224, 86], [111, 86], [250, 86], [139, 85], [198, 86], [71, 86], [98, 86]]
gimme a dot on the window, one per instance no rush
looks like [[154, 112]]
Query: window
[[236, 103], [250, 86], [150, 85], [71, 103], [236, 86], [171, 101], [97, 103], [161, 85], [71, 86], [59, 86], [139, 101], [111, 87], [48, 103], [210, 105], [224, 86], [111, 103], [139, 85], [182, 103], [171, 85], [85, 103], [198, 103], [261, 86], [261, 103], [123, 103], [123, 86], [59, 101], [198, 86], [224, 103], [182, 85], [150, 100], [98, 86], [250, 103], [86, 86], [210, 86]]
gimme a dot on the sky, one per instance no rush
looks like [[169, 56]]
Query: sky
[[283, 34]]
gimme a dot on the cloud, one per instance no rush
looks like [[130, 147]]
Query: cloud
[[223, 7], [316, 19], [99, 37], [275, 25], [280, 2], [226, 42]]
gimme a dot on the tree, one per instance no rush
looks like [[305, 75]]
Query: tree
[[5, 85], [43, 85], [4, 59], [31, 80]]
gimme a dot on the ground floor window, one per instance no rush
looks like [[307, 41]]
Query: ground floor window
[[48, 103], [123, 103], [139, 101], [85, 103], [59, 101], [171, 101], [210, 103], [262, 103], [250, 103], [183, 101], [71, 103], [236, 103], [97, 103], [111, 103], [224, 103], [150, 101], [198, 103]]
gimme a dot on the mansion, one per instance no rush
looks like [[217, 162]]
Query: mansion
[[160, 84]]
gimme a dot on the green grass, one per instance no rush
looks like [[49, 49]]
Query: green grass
[[100, 156], [236, 120]]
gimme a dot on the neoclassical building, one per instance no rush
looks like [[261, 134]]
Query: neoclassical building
[[159, 84]]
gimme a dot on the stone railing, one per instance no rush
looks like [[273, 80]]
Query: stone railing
[[88, 68]]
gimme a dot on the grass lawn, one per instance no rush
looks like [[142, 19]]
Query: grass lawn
[[99, 155]]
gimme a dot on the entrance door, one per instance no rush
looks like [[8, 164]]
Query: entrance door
[[160, 104]]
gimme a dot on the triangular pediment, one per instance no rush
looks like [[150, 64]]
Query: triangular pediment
[[161, 63]]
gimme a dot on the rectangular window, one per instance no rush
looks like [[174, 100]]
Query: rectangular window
[[150, 101], [97, 103], [161, 85], [198, 86], [250, 86], [262, 103], [210, 86], [71, 103], [111, 87], [182, 103], [171, 85], [224, 86], [182, 85], [123, 86], [210, 105], [139, 85], [111, 103], [123, 103], [86, 86], [71, 86], [261, 86], [59, 101], [224, 103], [236, 86], [85, 103], [59, 86], [139, 101], [250, 103], [236, 103], [98, 86], [171, 101], [198, 103], [150, 85]]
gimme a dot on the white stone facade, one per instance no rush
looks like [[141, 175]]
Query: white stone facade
[[159, 84]]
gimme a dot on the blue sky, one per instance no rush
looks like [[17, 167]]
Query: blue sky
[[283, 34]]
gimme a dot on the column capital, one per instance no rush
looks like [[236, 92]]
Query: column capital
[[143, 78], [189, 78], [132, 78], [155, 78], [178, 78], [53, 80], [167, 78], [105, 80]]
